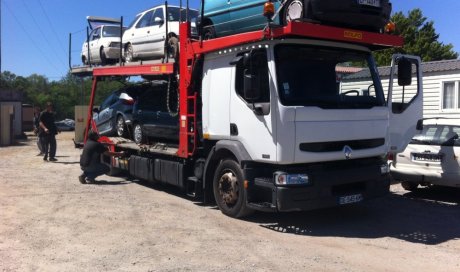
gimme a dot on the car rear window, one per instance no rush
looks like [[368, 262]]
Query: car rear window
[[445, 135]]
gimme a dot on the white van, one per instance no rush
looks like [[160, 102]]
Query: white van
[[432, 157]]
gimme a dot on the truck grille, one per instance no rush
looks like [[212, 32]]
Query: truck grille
[[338, 146]]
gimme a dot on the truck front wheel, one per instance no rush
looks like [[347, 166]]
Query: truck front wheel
[[229, 189]]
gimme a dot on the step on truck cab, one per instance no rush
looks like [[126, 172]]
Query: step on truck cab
[[269, 120]]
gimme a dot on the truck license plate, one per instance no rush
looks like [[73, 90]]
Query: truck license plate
[[350, 199], [373, 3]]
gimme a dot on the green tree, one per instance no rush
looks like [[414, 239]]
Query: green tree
[[420, 39]]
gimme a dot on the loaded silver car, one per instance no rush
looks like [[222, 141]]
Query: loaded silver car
[[431, 158]]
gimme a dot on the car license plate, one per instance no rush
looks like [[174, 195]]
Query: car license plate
[[350, 199], [426, 157], [373, 3]]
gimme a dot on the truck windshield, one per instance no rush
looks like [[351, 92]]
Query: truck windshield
[[323, 77]]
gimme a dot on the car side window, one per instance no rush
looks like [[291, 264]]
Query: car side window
[[96, 34], [158, 14], [145, 20], [107, 102]]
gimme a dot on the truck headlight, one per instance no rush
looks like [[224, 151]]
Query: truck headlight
[[384, 169], [282, 178]]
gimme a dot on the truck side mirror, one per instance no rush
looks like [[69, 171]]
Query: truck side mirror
[[251, 89], [404, 72]]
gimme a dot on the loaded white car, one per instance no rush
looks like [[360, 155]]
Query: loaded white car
[[146, 36], [431, 158], [103, 43]]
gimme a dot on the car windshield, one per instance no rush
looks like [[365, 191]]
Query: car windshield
[[134, 21], [173, 13], [111, 31], [446, 135], [322, 77]]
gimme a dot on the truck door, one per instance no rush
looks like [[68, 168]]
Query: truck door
[[250, 109], [405, 100]]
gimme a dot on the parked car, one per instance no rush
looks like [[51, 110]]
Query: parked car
[[431, 158], [65, 125], [223, 18], [153, 117], [114, 116], [103, 41], [146, 35]]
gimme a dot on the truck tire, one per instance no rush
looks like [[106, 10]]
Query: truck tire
[[409, 185], [229, 191]]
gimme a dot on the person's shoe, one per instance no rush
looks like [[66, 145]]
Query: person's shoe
[[89, 180], [45, 158], [81, 179], [53, 159]]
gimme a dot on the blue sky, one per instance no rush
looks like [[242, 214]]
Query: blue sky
[[35, 33]]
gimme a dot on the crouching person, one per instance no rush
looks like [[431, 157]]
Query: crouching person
[[90, 160]]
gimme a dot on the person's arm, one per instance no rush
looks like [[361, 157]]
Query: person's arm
[[114, 154]]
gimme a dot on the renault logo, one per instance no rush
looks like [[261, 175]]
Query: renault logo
[[347, 151]]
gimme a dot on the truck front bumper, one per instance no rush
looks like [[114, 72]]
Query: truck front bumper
[[328, 188]]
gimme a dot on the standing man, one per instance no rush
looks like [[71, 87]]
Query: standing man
[[37, 130], [90, 159], [48, 132]]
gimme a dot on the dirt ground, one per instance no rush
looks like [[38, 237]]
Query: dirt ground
[[51, 222]]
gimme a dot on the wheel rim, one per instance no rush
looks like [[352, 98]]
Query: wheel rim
[[228, 188], [294, 11], [137, 134], [120, 126], [129, 53]]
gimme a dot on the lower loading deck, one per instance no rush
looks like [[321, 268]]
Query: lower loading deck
[[156, 147]]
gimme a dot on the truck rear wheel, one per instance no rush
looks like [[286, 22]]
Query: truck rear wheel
[[229, 191]]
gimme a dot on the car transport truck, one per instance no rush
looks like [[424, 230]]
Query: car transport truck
[[267, 121]]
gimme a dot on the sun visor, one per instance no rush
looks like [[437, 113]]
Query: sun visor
[[95, 21]]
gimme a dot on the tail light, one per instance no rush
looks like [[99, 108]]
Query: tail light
[[390, 156], [128, 102]]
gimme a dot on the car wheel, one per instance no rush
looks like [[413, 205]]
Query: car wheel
[[293, 10], [173, 46], [129, 53], [208, 32], [103, 56], [229, 191], [138, 134], [121, 127], [409, 185]]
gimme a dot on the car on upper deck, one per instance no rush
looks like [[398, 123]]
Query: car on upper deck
[[103, 43], [146, 35], [431, 158], [222, 18]]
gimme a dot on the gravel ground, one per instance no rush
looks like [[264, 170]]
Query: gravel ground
[[51, 222]]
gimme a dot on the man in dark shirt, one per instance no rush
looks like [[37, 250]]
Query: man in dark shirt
[[90, 160], [48, 133], [37, 129]]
